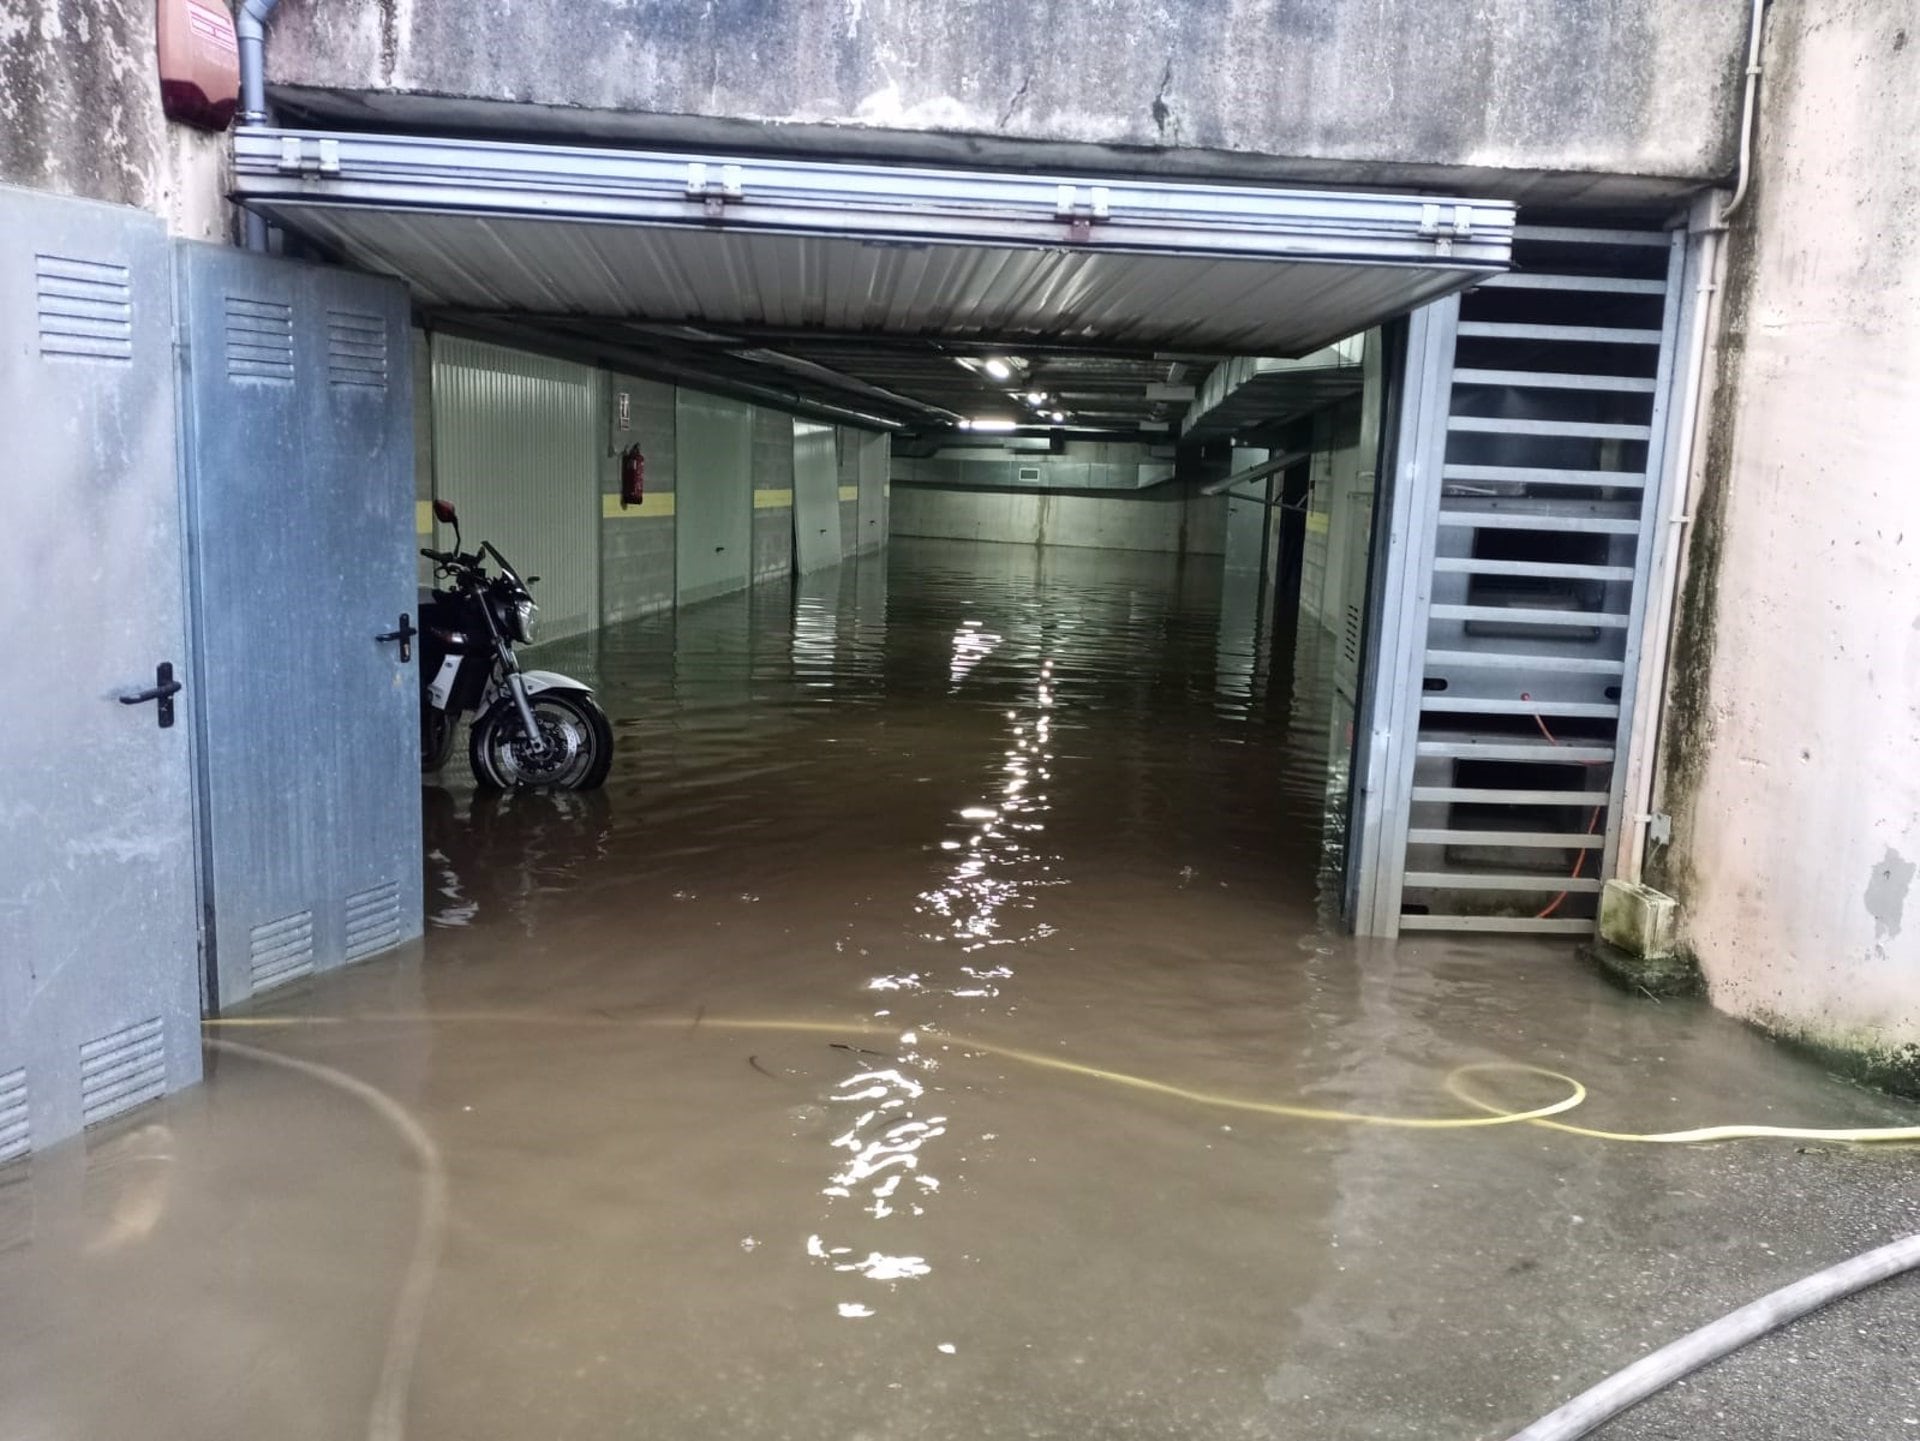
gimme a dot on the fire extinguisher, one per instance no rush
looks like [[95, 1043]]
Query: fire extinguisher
[[633, 476]]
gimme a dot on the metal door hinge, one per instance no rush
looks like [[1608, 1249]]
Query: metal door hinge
[[703, 186], [304, 156], [1080, 214]]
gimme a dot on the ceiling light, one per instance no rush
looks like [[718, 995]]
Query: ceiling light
[[999, 369], [1059, 417], [1036, 397], [988, 423]]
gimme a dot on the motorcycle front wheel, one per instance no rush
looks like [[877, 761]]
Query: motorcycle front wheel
[[573, 753]]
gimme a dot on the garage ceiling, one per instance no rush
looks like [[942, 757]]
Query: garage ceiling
[[869, 282]]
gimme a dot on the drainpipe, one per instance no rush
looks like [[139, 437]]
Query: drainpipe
[[250, 29], [1688, 464]]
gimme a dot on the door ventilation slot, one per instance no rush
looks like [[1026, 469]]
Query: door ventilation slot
[[281, 951], [85, 308], [356, 349], [16, 1127], [120, 1071], [373, 920], [259, 337]]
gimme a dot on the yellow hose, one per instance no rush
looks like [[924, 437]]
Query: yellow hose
[[1491, 1113]]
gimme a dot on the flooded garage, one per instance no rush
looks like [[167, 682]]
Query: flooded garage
[[934, 1030]]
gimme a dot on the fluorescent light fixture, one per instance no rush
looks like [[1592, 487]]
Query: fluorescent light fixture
[[998, 369], [988, 423]]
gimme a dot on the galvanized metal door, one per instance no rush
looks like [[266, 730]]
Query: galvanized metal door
[[816, 497], [713, 534], [299, 465], [1247, 511], [871, 510], [99, 961], [517, 448]]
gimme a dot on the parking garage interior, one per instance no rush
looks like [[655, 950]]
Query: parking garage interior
[[893, 1047]]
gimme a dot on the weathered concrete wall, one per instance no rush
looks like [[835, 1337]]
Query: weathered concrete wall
[[1793, 751], [80, 114], [1391, 91]]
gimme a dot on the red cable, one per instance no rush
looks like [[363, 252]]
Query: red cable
[[1580, 861]]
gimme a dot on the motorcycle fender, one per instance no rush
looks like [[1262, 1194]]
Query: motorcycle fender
[[543, 680], [442, 685]]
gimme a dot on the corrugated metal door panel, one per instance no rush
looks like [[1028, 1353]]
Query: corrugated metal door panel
[[816, 496], [872, 481], [515, 448], [299, 478], [713, 533], [99, 990]]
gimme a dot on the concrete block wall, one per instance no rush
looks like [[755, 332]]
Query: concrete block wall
[[636, 542], [772, 495]]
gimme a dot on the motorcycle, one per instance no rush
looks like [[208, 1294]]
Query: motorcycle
[[533, 728]]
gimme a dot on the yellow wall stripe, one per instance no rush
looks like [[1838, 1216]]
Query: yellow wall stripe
[[849, 492], [652, 507], [423, 517], [773, 500]]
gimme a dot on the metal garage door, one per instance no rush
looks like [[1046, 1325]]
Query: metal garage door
[[489, 226], [816, 496], [99, 986], [517, 448], [713, 516]]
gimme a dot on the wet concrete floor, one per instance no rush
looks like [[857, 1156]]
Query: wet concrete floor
[[956, 802]]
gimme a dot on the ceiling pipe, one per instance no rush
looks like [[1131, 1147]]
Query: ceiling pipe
[[250, 31]]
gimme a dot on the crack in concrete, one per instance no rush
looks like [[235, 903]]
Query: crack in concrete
[[1018, 99], [1161, 111]]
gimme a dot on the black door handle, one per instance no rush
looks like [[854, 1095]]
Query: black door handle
[[163, 690], [404, 635]]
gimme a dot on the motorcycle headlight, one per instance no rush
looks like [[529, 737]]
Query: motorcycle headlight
[[526, 620]]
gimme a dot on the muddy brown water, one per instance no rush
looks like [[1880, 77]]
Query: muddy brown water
[[1066, 803]]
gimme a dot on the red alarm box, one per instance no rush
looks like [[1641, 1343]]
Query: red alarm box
[[199, 63]]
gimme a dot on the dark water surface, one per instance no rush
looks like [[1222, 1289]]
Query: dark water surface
[[1068, 806]]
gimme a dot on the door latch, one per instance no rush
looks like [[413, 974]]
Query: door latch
[[404, 635], [162, 692]]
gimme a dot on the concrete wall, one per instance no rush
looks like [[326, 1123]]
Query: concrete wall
[[636, 542], [1792, 752], [1164, 520], [1389, 91], [80, 115]]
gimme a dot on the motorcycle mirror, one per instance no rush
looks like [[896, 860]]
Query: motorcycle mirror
[[444, 512]]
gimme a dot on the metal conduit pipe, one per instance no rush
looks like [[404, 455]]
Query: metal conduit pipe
[[250, 30], [1717, 1339], [1663, 590], [1747, 109]]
